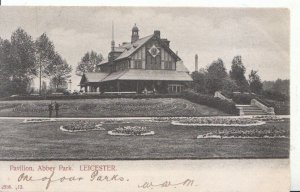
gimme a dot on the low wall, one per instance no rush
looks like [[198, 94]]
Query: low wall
[[269, 110], [219, 95]]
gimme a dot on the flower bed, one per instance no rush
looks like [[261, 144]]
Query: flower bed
[[268, 118], [131, 130], [81, 125], [218, 121], [253, 133], [37, 120]]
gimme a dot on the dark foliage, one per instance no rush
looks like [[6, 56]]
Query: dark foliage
[[223, 105], [275, 95], [281, 107]]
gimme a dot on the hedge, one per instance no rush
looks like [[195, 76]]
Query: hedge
[[223, 105], [98, 96]]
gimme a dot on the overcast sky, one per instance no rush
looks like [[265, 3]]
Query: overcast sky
[[260, 36]]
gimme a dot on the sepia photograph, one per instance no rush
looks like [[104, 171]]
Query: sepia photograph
[[127, 83]]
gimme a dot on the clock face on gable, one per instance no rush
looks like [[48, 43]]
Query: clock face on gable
[[154, 51]]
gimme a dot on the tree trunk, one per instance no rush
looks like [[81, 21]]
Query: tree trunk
[[40, 90]]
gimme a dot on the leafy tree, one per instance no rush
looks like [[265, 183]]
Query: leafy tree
[[89, 62], [23, 54], [199, 80], [45, 55], [255, 82], [17, 63], [59, 72], [237, 73], [277, 90], [4, 77], [229, 85], [216, 73], [282, 86]]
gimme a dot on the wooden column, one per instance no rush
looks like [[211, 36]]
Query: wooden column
[[118, 86]]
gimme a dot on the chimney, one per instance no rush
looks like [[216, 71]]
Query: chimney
[[196, 62], [157, 34]]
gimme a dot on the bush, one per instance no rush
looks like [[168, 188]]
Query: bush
[[280, 107], [223, 105], [274, 95], [241, 98], [97, 96]]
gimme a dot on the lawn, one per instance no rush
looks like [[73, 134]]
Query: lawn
[[45, 141], [118, 107]]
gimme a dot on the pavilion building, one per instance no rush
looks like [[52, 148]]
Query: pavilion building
[[146, 63]]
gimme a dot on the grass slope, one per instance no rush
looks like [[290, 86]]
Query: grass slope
[[121, 107]]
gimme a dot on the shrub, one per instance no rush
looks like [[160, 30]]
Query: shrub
[[97, 96], [281, 106], [223, 105], [274, 95], [241, 98]]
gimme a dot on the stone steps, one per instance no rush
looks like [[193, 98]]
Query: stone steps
[[250, 110]]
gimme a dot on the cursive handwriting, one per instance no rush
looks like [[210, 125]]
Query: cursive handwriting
[[96, 177], [165, 184], [49, 180]]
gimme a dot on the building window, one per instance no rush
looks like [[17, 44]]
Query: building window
[[168, 65], [137, 64], [175, 88]]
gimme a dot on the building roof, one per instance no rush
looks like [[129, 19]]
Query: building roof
[[95, 76], [114, 76], [139, 74], [181, 67], [133, 47], [128, 49], [160, 75]]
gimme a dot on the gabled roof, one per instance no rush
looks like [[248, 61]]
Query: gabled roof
[[134, 46], [128, 49]]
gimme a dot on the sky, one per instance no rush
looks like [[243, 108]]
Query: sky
[[260, 36]]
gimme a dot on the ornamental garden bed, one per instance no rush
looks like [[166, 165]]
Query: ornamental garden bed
[[218, 121], [131, 130], [269, 118], [37, 120], [241, 133], [78, 126]]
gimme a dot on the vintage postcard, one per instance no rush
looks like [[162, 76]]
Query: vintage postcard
[[144, 99]]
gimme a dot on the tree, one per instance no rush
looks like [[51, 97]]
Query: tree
[[229, 85], [89, 62], [237, 73], [200, 80], [282, 86], [21, 66], [255, 83], [216, 73], [45, 55], [59, 72]]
